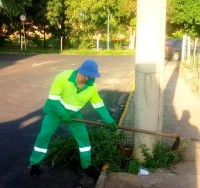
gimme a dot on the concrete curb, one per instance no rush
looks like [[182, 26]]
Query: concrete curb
[[126, 106], [101, 180]]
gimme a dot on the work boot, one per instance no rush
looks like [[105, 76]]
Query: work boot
[[88, 178], [91, 172], [85, 182], [35, 171]]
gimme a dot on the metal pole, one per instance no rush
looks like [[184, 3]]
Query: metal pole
[[61, 43], [183, 49], [97, 43], [188, 50], [108, 31], [24, 37], [21, 41]]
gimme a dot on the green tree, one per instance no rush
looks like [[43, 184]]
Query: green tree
[[37, 21], [15, 7], [75, 21], [90, 17], [8, 24], [184, 16], [57, 14], [10, 12]]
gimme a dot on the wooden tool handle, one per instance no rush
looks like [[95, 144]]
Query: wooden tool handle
[[128, 129]]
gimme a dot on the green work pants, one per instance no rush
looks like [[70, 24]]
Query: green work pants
[[49, 125]]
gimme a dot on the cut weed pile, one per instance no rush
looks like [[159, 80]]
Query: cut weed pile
[[108, 147]]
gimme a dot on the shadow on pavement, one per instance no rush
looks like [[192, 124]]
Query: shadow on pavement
[[177, 120], [17, 140], [11, 59]]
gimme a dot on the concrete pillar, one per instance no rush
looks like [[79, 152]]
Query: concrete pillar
[[150, 40]]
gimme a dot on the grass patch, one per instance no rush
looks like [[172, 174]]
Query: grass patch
[[70, 51], [99, 52]]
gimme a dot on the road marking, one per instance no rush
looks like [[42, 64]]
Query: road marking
[[42, 63]]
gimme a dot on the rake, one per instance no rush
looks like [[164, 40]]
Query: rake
[[174, 147]]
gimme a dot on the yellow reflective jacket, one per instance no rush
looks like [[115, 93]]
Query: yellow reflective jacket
[[64, 89]]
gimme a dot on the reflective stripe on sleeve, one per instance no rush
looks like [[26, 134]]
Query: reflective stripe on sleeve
[[54, 97], [85, 149], [69, 107], [40, 149], [98, 105]]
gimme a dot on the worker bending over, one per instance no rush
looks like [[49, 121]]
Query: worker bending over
[[69, 93]]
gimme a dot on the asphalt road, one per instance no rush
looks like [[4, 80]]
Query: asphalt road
[[24, 85]]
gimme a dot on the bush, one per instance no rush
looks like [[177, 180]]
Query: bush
[[107, 148], [134, 166], [63, 152], [161, 157]]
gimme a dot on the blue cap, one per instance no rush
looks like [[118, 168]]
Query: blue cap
[[89, 68]]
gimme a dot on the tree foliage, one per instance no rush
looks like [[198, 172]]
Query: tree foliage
[[184, 15], [81, 20], [75, 20], [15, 7], [34, 12], [93, 15], [78, 21]]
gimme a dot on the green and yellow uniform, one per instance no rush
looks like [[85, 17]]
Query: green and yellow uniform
[[66, 100]]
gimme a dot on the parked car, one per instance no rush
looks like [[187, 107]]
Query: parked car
[[173, 48]]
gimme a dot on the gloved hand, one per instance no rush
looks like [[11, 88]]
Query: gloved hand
[[110, 121], [66, 117], [114, 126]]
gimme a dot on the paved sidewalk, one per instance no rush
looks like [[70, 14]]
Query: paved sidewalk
[[181, 116]]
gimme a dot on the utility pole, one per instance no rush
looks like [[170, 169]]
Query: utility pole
[[150, 40], [23, 19], [108, 30]]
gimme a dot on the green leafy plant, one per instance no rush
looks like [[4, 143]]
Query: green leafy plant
[[108, 148], [134, 166], [63, 152], [161, 157]]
